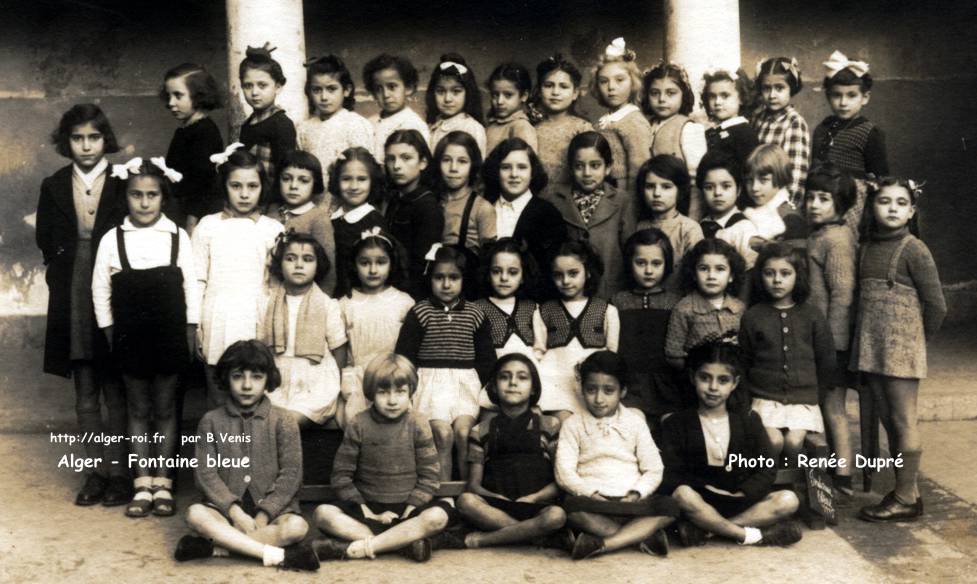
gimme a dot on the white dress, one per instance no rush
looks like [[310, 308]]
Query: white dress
[[372, 326], [327, 139], [231, 260], [309, 388], [558, 367]]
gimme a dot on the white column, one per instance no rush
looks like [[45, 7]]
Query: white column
[[702, 34], [253, 23]]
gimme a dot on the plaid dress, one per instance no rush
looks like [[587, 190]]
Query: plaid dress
[[788, 130]]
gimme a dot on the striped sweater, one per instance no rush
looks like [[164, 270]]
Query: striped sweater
[[440, 337]]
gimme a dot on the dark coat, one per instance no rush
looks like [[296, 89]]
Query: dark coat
[[57, 237], [610, 226], [542, 229]]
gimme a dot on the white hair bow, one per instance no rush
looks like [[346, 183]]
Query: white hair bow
[[791, 66], [617, 48], [838, 62], [160, 163], [713, 71], [221, 157], [915, 187], [122, 171], [375, 231], [449, 64], [433, 252]]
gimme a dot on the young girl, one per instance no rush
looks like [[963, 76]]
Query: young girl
[[268, 133], [593, 209], [373, 310], [252, 511], [577, 325], [779, 124], [719, 177], [644, 309], [450, 342], [454, 102], [715, 496], [513, 177], [191, 93], [78, 204], [144, 290], [769, 205], [304, 329], [357, 181], [828, 194], [900, 306], [465, 211], [231, 257], [728, 98], [609, 464], [846, 138], [303, 210], [392, 81], [509, 89], [514, 319], [617, 86], [511, 491], [557, 90], [788, 353], [664, 189], [414, 214], [333, 126], [710, 276], [668, 101]]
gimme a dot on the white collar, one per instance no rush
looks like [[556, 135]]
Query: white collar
[[301, 209], [722, 220], [88, 178], [164, 224], [518, 204], [779, 199], [734, 121], [618, 115], [396, 118], [605, 425], [354, 215]]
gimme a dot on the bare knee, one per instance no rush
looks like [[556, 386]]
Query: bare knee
[[553, 517], [292, 529], [197, 516], [687, 498], [326, 515], [466, 502], [434, 519], [442, 435], [786, 502]]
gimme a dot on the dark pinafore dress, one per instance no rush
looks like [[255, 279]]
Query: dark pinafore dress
[[889, 336], [149, 312], [516, 464]]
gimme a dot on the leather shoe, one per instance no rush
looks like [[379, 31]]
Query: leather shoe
[[119, 491], [891, 509], [93, 491]]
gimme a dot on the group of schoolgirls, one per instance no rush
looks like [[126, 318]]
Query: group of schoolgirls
[[534, 271]]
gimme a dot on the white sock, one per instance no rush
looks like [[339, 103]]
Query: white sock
[[163, 483], [143, 482], [360, 549], [273, 556], [753, 536], [220, 552]]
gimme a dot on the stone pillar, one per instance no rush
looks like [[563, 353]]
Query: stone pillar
[[702, 34], [252, 23]]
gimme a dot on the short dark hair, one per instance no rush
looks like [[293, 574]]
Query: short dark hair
[[403, 67], [261, 60], [650, 236], [77, 115], [719, 159], [710, 246], [606, 362], [829, 178], [543, 70], [594, 140], [490, 170], [670, 168], [530, 271], [240, 159], [305, 161], [249, 355], [466, 141], [782, 66], [725, 353], [322, 264], [205, 95], [796, 258], [391, 247], [590, 259], [516, 74], [492, 389], [473, 95], [677, 75], [330, 65], [740, 80], [365, 157], [867, 224], [414, 139], [449, 255], [847, 77]]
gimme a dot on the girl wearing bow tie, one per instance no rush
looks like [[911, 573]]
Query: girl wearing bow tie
[[454, 102], [144, 289]]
